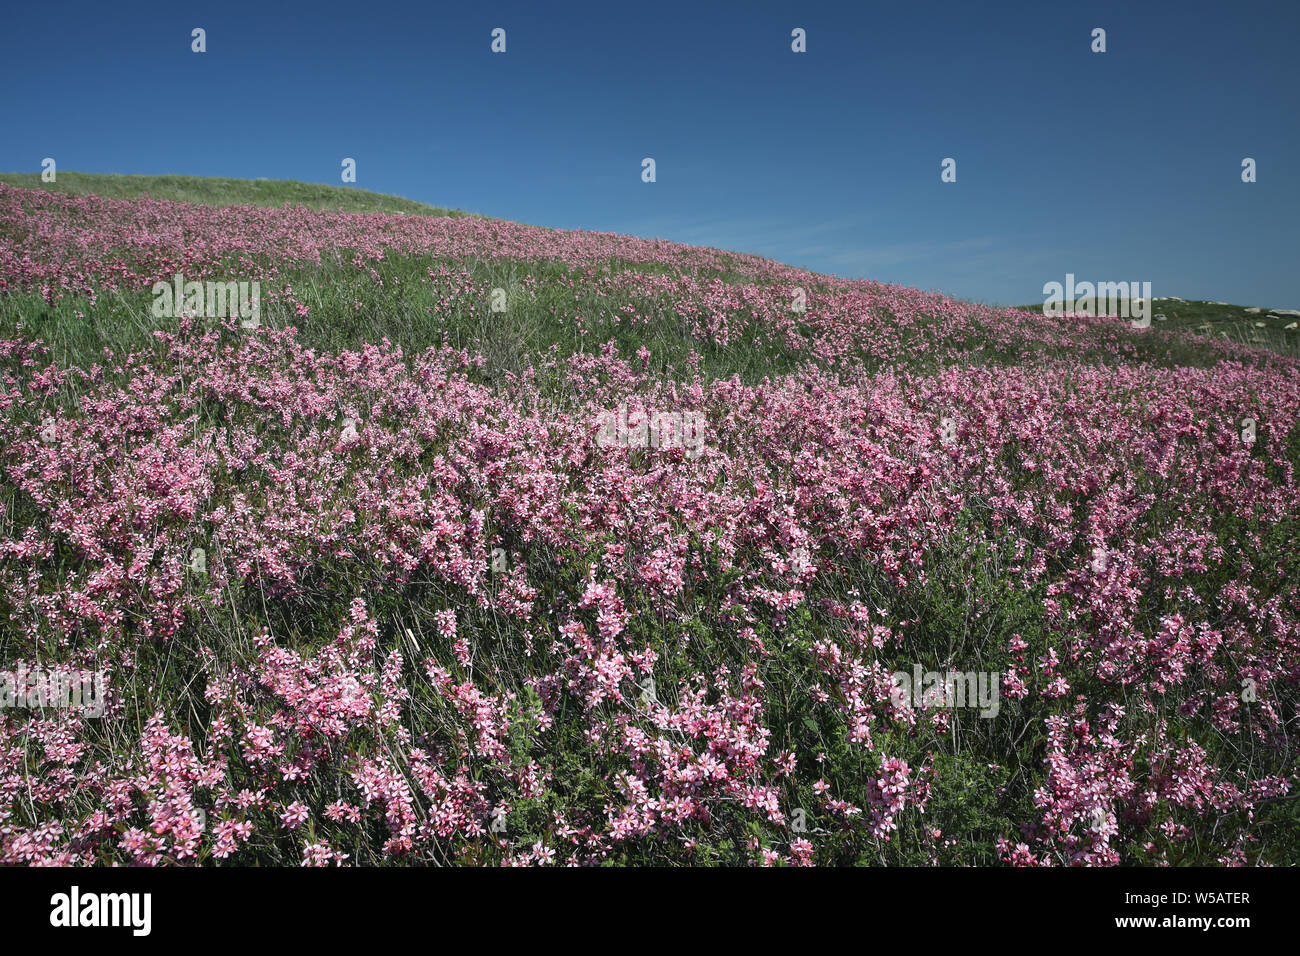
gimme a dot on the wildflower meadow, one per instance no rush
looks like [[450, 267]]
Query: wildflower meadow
[[491, 544]]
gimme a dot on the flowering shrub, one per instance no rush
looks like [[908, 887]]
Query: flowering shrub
[[678, 658]]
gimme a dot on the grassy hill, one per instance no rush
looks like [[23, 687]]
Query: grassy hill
[[493, 544], [1239, 324], [334, 306], [216, 191], [1248, 325]]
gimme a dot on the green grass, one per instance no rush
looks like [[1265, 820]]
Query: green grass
[[214, 191], [349, 309]]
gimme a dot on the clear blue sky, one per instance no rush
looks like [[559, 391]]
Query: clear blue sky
[[1117, 166]]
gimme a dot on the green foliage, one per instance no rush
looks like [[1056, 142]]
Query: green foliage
[[216, 191]]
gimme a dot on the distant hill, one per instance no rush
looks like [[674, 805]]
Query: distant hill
[[216, 191], [1277, 329]]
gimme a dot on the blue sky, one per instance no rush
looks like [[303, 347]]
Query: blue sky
[[1122, 166]]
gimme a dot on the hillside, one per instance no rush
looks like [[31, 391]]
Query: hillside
[[215, 191], [481, 543], [1272, 328]]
